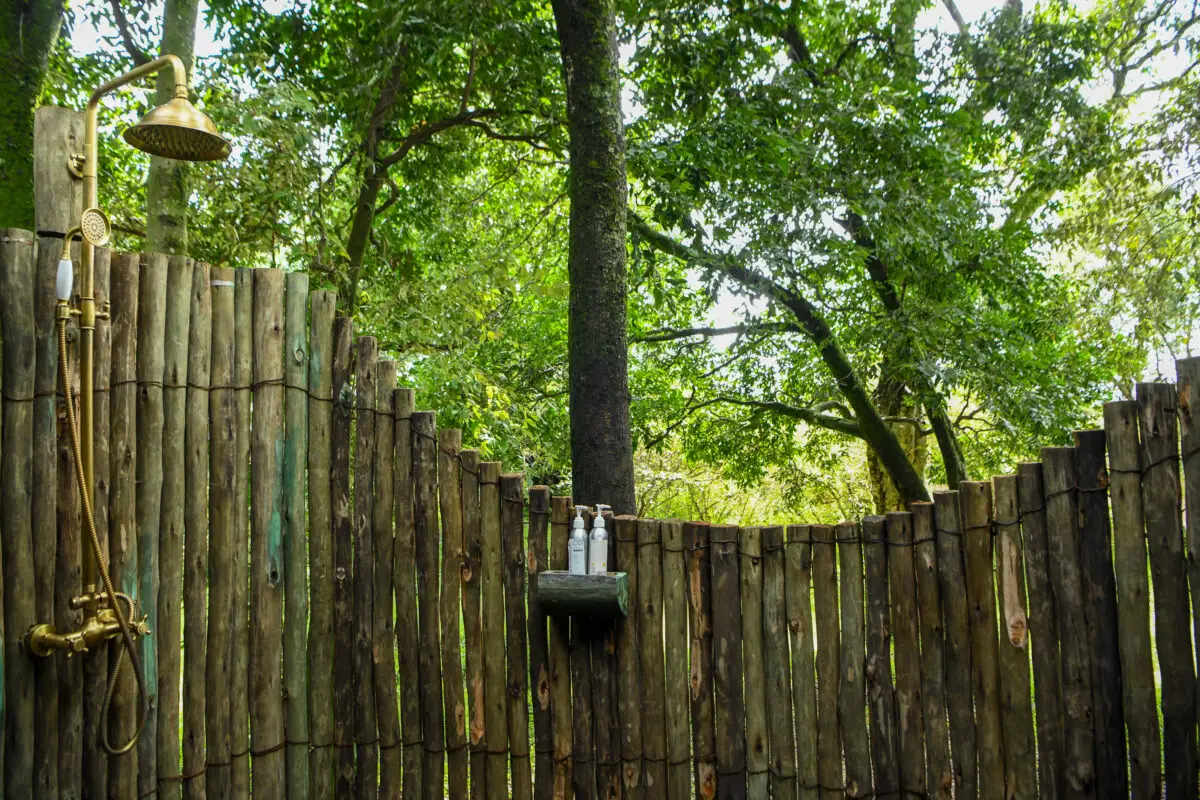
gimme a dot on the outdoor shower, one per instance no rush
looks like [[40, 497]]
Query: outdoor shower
[[173, 130]]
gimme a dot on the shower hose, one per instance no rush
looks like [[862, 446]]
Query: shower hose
[[123, 620]]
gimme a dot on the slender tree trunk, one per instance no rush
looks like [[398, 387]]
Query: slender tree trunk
[[601, 444], [28, 31], [893, 400], [167, 187]]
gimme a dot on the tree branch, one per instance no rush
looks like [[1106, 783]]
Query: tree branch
[[138, 55], [849, 427], [530, 139], [423, 133], [672, 334]]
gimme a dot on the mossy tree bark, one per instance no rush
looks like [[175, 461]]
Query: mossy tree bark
[[28, 31], [600, 434]]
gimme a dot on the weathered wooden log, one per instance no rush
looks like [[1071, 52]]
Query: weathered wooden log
[[295, 534], [798, 591], [1016, 703], [16, 536], [975, 498], [675, 660], [449, 602], [959, 703], [95, 761], [650, 659], [196, 533], [1100, 611], [1139, 701], [754, 669], [267, 734], [122, 513], [1062, 515], [595, 597], [512, 534], [343, 557], [1157, 407], [629, 698], [881, 697], [939, 774], [404, 575], [539, 663], [781, 739], [1043, 632], [239, 630], [825, 604], [44, 513], [491, 587], [383, 650], [902, 588], [473, 619], [604, 696], [852, 698], [366, 728], [729, 717], [424, 446], [695, 536], [222, 415], [168, 583], [560, 659], [1187, 372], [320, 541]]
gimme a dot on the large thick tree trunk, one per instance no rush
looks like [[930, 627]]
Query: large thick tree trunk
[[28, 31], [601, 444], [167, 189]]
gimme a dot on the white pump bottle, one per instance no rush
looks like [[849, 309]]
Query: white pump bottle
[[577, 545], [598, 546]]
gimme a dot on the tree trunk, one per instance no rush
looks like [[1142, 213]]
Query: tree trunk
[[601, 445], [28, 31], [167, 186], [893, 400]]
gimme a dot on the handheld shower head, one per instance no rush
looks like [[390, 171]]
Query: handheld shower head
[[94, 227], [178, 130]]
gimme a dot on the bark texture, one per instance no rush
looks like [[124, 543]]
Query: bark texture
[[601, 446]]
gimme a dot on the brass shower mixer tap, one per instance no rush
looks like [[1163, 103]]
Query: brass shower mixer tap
[[96, 629]]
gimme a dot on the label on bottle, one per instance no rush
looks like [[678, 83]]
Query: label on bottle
[[577, 556], [598, 557]]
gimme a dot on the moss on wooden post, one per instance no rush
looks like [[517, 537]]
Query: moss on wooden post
[[778, 686], [959, 703], [695, 536], [512, 530], [343, 556], [730, 708], [449, 444], [383, 648], [424, 443], [560, 665], [629, 695], [404, 579], [852, 692], [881, 697], [798, 591], [939, 774]]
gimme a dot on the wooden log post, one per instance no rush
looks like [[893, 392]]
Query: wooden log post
[[491, 587], [122, 513], [1139, 699], [604, 695], [1157, 407], [781, 738], [320, 541], [825, 604], [1100, 611], [976, 500], [343, 556], [196, 534], [295, 534], [1187, 371], [1043, 632], [512, 534], [650, 638], [1016, 703], [450, 502], [95, 677], [1062, 514], [852, 698], [675, 660], [222, 420], [16, 538], [955, 618], [695, 536], [939, 775], [730, 708], [751, 585], [910, 719], [473, 620], [239, 629], [881, 697], [44, 511], [169, 553], [798, 591], [66, 535], [424, 447], [559, 656], [404, 576], [267, 734], [539, 657], [366, 728], [383, 650], [629, 698]]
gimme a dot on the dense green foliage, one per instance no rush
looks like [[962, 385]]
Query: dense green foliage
[[995, 223]]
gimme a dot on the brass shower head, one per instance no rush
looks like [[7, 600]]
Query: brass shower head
[[178, 130], [94, 227]]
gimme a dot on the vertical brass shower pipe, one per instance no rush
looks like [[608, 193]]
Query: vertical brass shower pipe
[[87, 299]]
